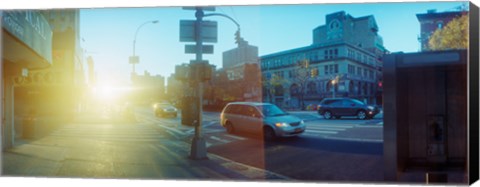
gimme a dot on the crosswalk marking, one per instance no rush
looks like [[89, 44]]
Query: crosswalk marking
[[234, 137], [322, 132], [326, 128], [332, 126], [323, 129], [219, 139]]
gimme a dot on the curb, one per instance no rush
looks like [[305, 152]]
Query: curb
[[247, 171]]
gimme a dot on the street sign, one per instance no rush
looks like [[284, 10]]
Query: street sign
[[134, 60], [187, 31], [204, 8], [192, 49]]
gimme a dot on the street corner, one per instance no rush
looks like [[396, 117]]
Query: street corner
[[246, 171]]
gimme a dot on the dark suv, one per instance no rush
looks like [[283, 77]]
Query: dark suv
[[338, 107]]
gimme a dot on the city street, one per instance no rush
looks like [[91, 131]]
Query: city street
[[348, 147], [110, 145]]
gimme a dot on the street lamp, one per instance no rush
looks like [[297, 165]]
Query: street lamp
[[334, 81], [333, 87], [134, 59]]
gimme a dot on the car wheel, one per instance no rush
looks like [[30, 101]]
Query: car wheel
[[361, 114], [268, 134], [327, 115], [229, 127]]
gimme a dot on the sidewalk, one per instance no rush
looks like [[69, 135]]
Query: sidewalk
[[77, 157]]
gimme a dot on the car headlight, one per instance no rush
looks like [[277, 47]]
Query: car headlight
[[370, 107], [281, 125], [302, 122]]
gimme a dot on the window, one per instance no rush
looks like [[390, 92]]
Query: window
[[330, 69], [252, 112], [351, 54], [359, 71], [311, 88], [351, 69]]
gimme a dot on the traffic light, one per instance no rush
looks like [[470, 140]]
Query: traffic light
[[314, 72], [237, 37]]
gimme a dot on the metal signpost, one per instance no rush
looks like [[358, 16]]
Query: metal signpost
[[198, 31]]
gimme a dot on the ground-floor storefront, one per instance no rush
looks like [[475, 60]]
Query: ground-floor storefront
[[26, 43]]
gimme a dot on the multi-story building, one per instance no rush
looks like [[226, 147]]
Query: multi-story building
[[26, 45], [235, 59], [59, 90], [433, 20], [346, 49], [240, 65]]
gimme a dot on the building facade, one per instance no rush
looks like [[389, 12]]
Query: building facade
[[59, 90], [26, 45], [44, 75], [345, 49], [240, 74], [433, 20]]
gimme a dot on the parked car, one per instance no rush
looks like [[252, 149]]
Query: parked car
[[260, 118], [164, 109], [338, 107]]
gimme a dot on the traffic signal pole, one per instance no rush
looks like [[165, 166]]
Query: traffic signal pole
[[198, 148]]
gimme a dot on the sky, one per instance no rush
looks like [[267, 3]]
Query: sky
[[108, 33]]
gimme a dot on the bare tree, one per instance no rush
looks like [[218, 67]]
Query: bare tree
[[303, 73]]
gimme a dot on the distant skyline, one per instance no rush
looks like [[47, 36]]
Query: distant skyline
[[109, 32]]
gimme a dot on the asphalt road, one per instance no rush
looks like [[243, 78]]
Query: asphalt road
[[330, 150]]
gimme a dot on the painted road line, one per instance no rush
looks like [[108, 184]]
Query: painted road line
[[235, 137], [322, 132], [369, 126], [355, 139], [332, 126], [173, 134], [213, 130], [219, 139], [207, 125], [326, 128]]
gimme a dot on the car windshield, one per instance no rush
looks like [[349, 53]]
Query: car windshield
[[357, 102], [271, 110], [166, 106]]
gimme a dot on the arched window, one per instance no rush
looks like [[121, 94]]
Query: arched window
[[294, 90]]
